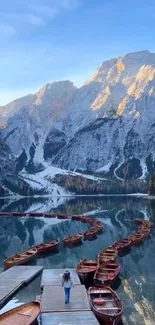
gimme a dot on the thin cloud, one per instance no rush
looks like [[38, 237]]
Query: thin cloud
[[7, 29], [33, 13], [34, 20], [44, 11]]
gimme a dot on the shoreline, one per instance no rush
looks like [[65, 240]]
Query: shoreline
[[145, 195]]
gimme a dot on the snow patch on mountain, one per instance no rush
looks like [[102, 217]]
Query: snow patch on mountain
[[107, 122]]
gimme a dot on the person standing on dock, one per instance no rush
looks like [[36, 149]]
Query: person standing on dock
[[67, 283]]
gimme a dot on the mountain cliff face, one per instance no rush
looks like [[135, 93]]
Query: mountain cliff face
[[105, 127]]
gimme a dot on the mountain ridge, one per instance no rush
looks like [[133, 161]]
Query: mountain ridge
[[109, 121]]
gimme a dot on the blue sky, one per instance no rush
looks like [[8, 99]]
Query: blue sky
[[46, 40]]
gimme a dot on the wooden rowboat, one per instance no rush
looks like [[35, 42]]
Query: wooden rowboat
[[144, 233], [106, 254], [86, 270], [90, 234], [25, 314], [89, 262], [62, 216], [136, 239], [49, 215], [73, 240], [21, 258], [122, 245], [49, 247], [106, 305], [36, 214], [19, 214], [106, 273], [86, 220], [77, 217], [5, 214]]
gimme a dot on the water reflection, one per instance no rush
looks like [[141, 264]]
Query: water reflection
[[137, 288]]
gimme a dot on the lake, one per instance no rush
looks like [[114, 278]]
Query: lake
[[137, 276]]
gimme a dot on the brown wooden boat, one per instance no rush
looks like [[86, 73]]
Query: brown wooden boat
[[106, 254], [49, 215], [86, 270], [21, 258], [106, 273], [143, 222], [73, 240], [46, 248], [89, 262], [23, 315], [98, 226], [36, 214], [5, 213], [18, 214], [122, 245], [85, 219], [62, 216], [106, 305], [76, 217], [90, 234], [144, 233], [136, 239]]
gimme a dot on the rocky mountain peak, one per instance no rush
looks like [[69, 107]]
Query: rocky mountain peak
[[106, 122], [51, 91]]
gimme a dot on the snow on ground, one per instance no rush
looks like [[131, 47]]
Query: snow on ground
[[104, 168], [116, 171], [91, 213], [42, 180], [144, 169], [145, 213]]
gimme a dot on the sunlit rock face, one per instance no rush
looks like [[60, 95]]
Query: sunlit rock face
[[107, 123]]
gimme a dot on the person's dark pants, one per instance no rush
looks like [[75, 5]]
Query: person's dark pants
[[67, 295]]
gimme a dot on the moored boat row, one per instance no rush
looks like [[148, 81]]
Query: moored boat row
[[104, 302], [27, 256]]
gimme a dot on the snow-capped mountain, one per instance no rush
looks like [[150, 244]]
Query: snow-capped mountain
[[106, 126]]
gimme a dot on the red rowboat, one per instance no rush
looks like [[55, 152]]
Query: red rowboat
[[21, 258], [86, 270], [36, 214], [106, 305], [89, 262], [106, 254], [76, 217], [73, 240], [85, 219], [106, 273], [90, 234], [46, 248], [18, 214], [122, 244], [62, 216], [136, 239], [49, 215]]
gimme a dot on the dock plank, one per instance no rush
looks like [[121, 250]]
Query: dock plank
[[69, 318], [13, 279], [54, 276], [53, 299], [22, 273]]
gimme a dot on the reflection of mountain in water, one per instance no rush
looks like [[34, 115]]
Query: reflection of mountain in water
[[137, 268]]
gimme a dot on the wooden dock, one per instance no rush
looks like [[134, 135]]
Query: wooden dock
[[53, 277], [69, 318], [53, 299], [53, 308], [12, 280]]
